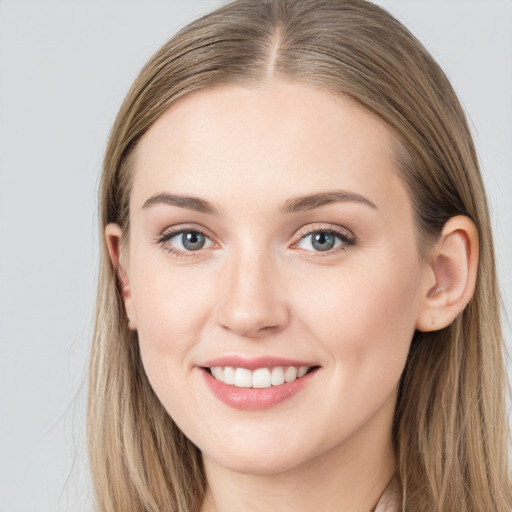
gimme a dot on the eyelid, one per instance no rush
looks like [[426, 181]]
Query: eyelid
[[180, 228], [317, 226]]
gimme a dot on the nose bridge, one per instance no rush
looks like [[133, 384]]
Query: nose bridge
[[250, 303]]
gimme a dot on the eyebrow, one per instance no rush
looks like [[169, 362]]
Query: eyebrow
[[292, 205], [312, 201], [187, 202]]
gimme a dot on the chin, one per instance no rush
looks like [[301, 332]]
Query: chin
[[265, 455], [259, 464]]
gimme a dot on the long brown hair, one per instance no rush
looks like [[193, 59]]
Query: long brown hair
[[450, 428]]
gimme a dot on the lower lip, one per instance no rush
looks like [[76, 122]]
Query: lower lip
[[252, 399]]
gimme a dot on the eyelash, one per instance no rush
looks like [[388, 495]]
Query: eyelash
[[344, 235]]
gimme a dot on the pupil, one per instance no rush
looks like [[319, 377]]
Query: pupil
[[323, 241], [193, 241]]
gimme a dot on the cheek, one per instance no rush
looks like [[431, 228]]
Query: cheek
[[366, 318], [171, 308]]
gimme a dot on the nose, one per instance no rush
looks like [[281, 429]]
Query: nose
[[251, 300]]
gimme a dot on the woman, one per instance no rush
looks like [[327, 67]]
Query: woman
[[297, 303]]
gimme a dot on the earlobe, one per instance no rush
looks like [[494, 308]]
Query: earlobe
[[113, 236], [453, 264]]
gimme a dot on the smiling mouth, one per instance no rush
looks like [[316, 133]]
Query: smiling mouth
[[259, 378]]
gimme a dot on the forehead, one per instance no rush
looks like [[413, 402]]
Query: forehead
[[271, 141]]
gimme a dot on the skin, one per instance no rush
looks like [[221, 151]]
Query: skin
[[260, 288]]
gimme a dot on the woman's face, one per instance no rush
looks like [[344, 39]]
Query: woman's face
[[269, 231]]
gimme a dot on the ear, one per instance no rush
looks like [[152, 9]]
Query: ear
[[113, 236], [452, 270]]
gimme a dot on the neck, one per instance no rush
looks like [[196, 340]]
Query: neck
[[350, 477]]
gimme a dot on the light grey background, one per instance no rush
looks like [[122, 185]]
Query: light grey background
[[64, 69]]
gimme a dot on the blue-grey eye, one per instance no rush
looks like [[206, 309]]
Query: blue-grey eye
[[321, 241], [188, 241], [193, 241]]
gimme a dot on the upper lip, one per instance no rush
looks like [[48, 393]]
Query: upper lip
[[253, 363]]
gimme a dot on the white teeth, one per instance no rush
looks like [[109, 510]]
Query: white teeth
[[218, 373], [290, 374], [302, 371], [229, 375], [260, 378], [243, 378], [277, 376]]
